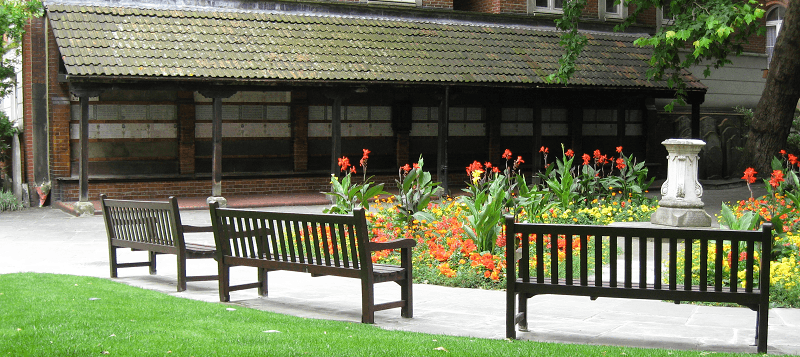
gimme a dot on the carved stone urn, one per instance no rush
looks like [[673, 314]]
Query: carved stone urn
[[680, 204]]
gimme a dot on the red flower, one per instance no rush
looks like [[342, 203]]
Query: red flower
[[792, 159], [406, 168], [416, 165], [544, 150], [777, 178], [344, 163], [365, 157], [749, 175], [495, 169], [474, 166], [782, 152], [353, 169], [597, 154], [488, 165], [507, 154], [569, 153], [619, 149], [586, 159], [620, 163], [518, 161]]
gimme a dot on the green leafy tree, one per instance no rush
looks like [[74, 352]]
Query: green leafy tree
[[13, 15], [707, 33]]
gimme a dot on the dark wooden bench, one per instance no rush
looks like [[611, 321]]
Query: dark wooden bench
[[154, 227], [320, 244], [528, 242]]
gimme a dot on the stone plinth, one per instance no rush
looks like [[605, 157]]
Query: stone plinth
[[680, 204], [84, 209], [223, 202]]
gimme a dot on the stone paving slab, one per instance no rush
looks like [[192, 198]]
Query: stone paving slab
[[49, 241]]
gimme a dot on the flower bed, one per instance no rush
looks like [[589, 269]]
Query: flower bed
[[461, 243]]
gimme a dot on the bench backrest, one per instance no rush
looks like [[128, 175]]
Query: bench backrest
[[320, 239], [543, 245], [143, 221]]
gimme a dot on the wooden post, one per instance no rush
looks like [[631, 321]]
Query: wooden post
[[444, 132], [216, 138], [84, 152], [336, 134], [537, 140], [695, 99], [216, 156]]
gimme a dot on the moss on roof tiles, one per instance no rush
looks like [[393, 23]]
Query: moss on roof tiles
[[254, 45]]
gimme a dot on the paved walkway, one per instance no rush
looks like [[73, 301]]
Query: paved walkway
[[48, 240]]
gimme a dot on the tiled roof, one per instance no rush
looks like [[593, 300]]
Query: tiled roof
[[100, 41]]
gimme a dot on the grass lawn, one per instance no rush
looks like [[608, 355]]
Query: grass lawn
[[64, 315]]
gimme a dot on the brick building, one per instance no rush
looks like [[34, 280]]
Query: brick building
[[138, 99]]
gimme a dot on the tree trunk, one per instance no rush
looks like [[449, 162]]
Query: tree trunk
[[775, 111]]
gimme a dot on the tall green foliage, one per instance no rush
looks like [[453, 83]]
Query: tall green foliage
[[13, 14], [711, 30]]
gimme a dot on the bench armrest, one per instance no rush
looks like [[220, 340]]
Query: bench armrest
[[392, 244], [197, 229]]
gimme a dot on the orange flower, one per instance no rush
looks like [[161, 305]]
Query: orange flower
[[474, 166], [406, 168], [777, 178], [344, 163], [364, 158], [586, 159], [487, 164], [749, 175], [507, 154], [620, 163], [544, 150], [353, 169], [619, 149], [792, 159], [782, 152], [569, 153]]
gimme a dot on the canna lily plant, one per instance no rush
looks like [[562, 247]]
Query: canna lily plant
[[347, 195]]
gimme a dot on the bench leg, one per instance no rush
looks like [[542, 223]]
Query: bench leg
[[511, 328], [112, 260], [262, 282], [367, 301], [152, 263], [523, 309], [762, 325], [181, 273], [224, 283], [406, 294]]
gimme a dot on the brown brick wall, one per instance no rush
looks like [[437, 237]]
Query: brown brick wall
[[438, 4], [202, 188], [299, 119], [33, 70], [186, 132]]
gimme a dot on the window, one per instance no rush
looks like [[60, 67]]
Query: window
[[611, 9], [546, 5], [664, 16], [614, 9], [774, 22]]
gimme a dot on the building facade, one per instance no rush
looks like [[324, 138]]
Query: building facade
[[138, 99]]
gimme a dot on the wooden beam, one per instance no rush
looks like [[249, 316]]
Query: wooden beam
[[444, 132]]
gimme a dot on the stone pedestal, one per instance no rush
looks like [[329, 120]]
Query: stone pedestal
[[84, 209], [219, 199], [680, 204]]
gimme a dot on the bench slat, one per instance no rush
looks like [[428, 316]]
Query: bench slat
[[154, 227], [317, 244], [543, 242]]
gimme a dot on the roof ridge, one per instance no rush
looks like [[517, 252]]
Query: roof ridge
[[162, 6]]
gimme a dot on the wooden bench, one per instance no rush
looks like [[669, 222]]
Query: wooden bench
[[532, 242], [154, 227], [320, 244]]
